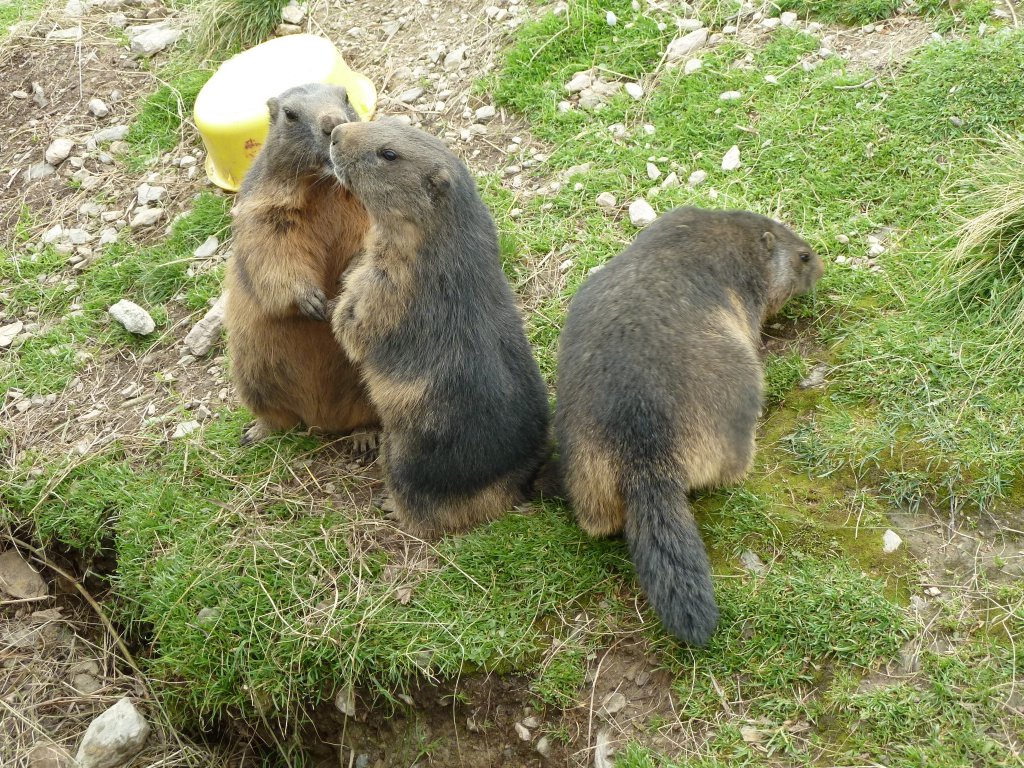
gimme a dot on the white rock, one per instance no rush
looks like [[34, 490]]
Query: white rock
[[876, 249], [844, 239], [205, 333], [789, 19], [614, 702], [149, 39], [692, 66], [640, 213], [149, 194], [770, 23], [74, 8], [183, 429], [77, 236], [293, 13], [108, 236], [606, 200], [891, 541], [283, 30], [751, 562], [653, 172], [635, 90], [17, 578], [113, 133], [133, 317], [113, 738], [485, 113], [453, 61], [564, 106], [772, 79], [8, 332], [53, 234], [672, 180], [71, 33], [146, 217], [689, 25], [491, 11], [683, 46], [208, 248], [544, 746], [410, 95], [59, 150], [522, 732], [731, 161], [579, 82], [611, 18], [730, 96], [98, 108], [697, 177]]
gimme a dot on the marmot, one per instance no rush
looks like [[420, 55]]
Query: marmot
[[659, 389], [430, 318], [295, 231]]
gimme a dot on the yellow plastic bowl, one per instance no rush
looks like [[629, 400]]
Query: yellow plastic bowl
[[231, 109]]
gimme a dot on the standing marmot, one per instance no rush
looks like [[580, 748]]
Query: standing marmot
[[429, 317], [295, 231], [659, 389]]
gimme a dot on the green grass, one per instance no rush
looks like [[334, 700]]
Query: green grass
[[158, 126], [851, 12], [14, 12], [236, 24]]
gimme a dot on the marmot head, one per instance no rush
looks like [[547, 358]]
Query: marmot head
[[301, 121], [795, 267], [397, 171]]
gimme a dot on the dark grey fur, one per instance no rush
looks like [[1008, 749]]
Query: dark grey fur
[[650, 378]]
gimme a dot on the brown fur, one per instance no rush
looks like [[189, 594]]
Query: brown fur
[[295, 232]]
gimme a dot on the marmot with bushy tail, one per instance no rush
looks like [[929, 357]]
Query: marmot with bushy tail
[[430, 318], [660, 388], [295, 231]]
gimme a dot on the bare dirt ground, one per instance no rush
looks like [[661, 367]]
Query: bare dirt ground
[[61, 665]]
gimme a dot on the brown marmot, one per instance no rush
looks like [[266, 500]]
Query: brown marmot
[[430, 318], [295, 231], [659, 389]]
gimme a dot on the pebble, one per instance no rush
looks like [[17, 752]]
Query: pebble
[[74, 9], [485, 113], [789, 19], [771, 23], [208, 248], [113, 738], [844, 239], [98, 108], [293, 13], [891, 541], [522, 732], [731, 160], [614, 702], [147, 194], [8, 332], [578, 82], [49, 756], [815, 378], [183, 429], [283, 30], [876, 249], [133, 317], [653, 172], [751, 562], [411, 95], [635, 90], [730, 96], [205, 333], [611, 19], [59, 150], [19, 579], [149, 39], [454, 60], [113, 133], [146, 217], [691, 66], [672, 180], [641, 213], [544, 746], [71, 33], [39, 171], [606, 200], [771, 79], [697, 177]]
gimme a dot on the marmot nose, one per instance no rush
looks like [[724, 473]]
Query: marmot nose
[[330, 121], [338, 133]]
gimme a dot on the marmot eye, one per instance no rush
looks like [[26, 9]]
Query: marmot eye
[[291, 114], [805, 257], [389, 154]]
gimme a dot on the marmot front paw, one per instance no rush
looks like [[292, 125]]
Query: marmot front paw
[[312, 303]]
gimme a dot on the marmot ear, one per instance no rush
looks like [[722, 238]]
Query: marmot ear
[[439, 181], [274, 105], [768, 238]]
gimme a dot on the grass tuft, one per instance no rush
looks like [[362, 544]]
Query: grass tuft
[[158, 125], [230, 25]]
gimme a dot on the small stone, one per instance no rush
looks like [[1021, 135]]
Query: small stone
[[485, 113], [643, 677], [74, 8], [147, 194], [522, 732], [691, 66], [98, 108], [19, 94], [186, 161], [205, 333], [614, 702], [683, 46], [39, 96], [731, 160], [454, 60], [283, 30], [635, 90], [293, 13], [108, 236], [149, 39], [208, 248], [844, 239], [114, 737], [696, 178], [544, 746], [606, 200], [751, 562], [133, 317], [579, 82], [672, 180], [71, 33], [876, 249], [641, 213], [113, 133], [611, 19], [564, 106], [789, 19], [146, 217], [841, 259], [771, 23], [410, 95], [183, 429], [653, 172], [86, 684], [39, 171], [730, 96], [49, 756], [933, 592], [816, 377], [19, 579], [59, 150], [345, 701], [891, 541], [9, 331]]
